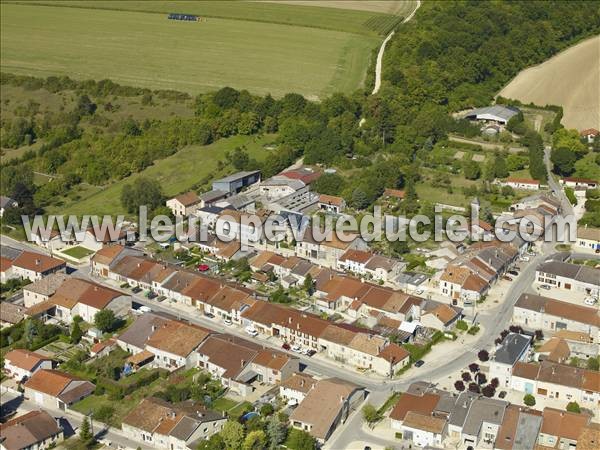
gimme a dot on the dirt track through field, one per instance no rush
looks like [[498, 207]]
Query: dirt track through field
[[570, 79]]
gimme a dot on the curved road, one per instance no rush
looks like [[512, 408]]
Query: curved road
[[379, 63]]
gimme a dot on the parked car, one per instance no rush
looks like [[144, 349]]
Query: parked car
[[151, 295], [161, 298], [285, 346], [136, 289], [296, 348], [514, 272], [203, 267], [145, 309], [228, 322], [251, 331], [590, 301], [546, 287], [507, 278], [209, 315], [311, 352], [419, 363], [524, 258]]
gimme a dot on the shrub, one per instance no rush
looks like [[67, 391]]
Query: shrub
[[474, 367], [573, 407], [473, 330], [480, 377], [483, 355], [529, 400], [488, 391], [266, 409], [462, 325]]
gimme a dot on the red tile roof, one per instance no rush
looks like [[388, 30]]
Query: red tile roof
[[37, 262], [25, 359]]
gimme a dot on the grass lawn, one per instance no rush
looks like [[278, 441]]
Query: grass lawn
[[77, 252], [176, 173], [223, 404], [148, 50]]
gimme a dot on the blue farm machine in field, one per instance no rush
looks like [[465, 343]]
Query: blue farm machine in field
[[184, 17]]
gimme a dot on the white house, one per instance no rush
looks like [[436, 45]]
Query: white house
[[184, 204], [570, 277], [21, 364], [424, 430], [584, 183], [41, 290], [514, 348], [35, 266], [159, 424], [535, 312], [588, 238], [54, 389], [173, 344], [331, 203], [295, 388], [521, 183]]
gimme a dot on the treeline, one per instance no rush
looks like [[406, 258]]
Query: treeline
[[101, 88]]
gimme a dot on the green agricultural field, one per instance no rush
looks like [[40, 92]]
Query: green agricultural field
[[263, 53], [339, 19], [177, 173]]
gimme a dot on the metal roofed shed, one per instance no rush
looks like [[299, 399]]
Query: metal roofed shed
[[236, 182], [496, 113]]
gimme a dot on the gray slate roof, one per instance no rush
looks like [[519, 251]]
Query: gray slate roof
[[512, 348], [484, 410], [140, 330], [213, 195], [461, 408], [576, 272], [9, 252], [236, 176], [528, 427]]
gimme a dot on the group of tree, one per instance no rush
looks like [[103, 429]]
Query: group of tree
[[455, 55], [266, 430], [567, 149]]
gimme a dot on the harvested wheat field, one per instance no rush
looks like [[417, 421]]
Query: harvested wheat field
[[397, 7], [570, 79]]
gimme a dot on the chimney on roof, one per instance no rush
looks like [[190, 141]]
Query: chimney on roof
[[290, 319], [302, 382], [243, 362], [37, 262]]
